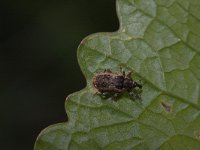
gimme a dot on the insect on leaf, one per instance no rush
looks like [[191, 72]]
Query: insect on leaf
[[159, 41]]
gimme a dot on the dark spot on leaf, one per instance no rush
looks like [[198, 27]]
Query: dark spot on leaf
[[166, 107], [197, 135]]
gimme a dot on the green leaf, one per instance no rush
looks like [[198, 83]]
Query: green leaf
[[160, 41]]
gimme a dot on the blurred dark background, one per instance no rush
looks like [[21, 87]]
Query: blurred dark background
[[38, 64]]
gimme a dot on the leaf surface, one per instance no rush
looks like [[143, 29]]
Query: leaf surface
[[160, 41]]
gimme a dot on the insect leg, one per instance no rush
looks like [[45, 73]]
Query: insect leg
[[97, 93], [108, 71], [122, 72], [129, 74], [135, 84], [134, 95], [105, 95], [102, 94], [115, 96]]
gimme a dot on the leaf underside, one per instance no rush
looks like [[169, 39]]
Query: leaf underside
[[159, 40]]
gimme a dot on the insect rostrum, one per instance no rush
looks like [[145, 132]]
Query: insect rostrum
[[113, 84]]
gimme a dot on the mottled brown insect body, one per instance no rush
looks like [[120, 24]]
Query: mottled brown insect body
[[108, 83]]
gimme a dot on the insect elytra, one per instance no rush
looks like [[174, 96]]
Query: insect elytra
[[112, 84]]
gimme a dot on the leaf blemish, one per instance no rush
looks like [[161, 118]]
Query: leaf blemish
[[197, 135], [166, 107]]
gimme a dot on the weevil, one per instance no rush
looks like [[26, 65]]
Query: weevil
[[114, 84]]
